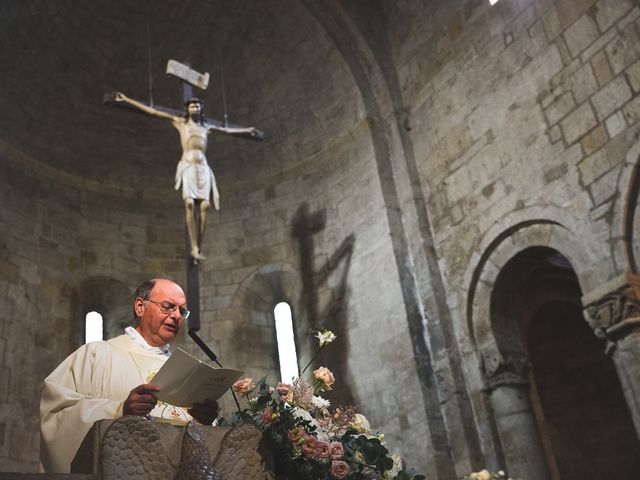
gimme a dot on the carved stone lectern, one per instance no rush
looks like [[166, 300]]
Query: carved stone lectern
[[133, 447]]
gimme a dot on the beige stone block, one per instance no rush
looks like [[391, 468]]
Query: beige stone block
[[630, 17], [581, 34], [609, 11], [598, 45], [556, 172], [601, 68], [578, 122], [565, 55], [565, 73], [632, 110], [8, 271], [615, 124], [594, 139], [604, 187], [554, 134], [593, 166], [633, 75], [559, 108], [611, 97], [623, 50], [255, 256], [562, 14], [217, 302], [582, 83], [551, 23]]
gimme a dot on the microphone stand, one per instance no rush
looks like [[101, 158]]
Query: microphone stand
[[205, 348]]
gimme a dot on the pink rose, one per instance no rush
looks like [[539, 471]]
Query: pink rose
[[309, 446], [339, 469], [244, 386], [285, 391], [336, 449], [269, 416], [324, 378], [323, 450]]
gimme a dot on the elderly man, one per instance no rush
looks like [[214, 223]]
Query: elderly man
[[103, 380]]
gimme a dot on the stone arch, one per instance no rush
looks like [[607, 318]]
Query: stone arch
[[253, 302], [625, 243], [522, 229], [506, 244], [108, 296], [535, 266]]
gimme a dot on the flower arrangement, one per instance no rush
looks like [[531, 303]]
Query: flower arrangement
[[312, 441], [487, 475]]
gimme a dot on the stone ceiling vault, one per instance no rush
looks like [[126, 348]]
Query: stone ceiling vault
[[60, 57]]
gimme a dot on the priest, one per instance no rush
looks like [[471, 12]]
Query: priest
[[109, 379]]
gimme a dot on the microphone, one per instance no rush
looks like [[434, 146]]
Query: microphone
[[209, 353]]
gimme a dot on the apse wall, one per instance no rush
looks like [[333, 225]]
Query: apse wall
[[69, 245], [303, 220], [89, 209]]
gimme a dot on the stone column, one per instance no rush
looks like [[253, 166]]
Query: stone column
[[523, 453], [613, 312]]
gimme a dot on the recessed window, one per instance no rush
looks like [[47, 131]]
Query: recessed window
[[286, 342], [93, 327]]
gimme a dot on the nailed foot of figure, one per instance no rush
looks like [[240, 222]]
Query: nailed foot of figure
[[197, 256]]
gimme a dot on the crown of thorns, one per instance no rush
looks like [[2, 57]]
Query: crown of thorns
[[193, 100]]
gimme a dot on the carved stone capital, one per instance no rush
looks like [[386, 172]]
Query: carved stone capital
[[616, 313], [501, 370]]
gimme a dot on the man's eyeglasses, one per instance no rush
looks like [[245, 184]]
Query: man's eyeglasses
[[166, 307]]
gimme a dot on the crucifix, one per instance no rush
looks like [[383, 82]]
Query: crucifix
[[193, 173]]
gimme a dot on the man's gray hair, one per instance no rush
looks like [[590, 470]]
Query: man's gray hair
[[143, 291]]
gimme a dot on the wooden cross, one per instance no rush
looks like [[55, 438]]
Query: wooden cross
[[189, 78]]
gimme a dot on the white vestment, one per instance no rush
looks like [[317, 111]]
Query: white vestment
[[91, 384]]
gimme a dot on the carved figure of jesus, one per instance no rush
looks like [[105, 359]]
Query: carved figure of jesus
[[193, 172]]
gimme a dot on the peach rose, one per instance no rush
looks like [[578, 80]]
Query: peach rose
[[336, 449], [324, 378], [481, 475], [243, 387], [296, 435], [339, 469]]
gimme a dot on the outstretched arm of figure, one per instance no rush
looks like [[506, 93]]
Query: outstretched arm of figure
[[120, 97], [249, 131]]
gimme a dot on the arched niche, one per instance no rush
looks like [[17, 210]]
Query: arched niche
[[253, 331], [532, 272], [625, 240], [499, 251], [108, 296]]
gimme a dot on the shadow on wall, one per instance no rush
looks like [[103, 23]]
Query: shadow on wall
[[325, 303]]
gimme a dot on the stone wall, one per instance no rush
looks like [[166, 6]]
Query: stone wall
[[521, 115], [120, 221], [68, 246], [412, 149]]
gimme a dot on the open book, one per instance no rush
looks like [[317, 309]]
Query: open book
[[185, 380]]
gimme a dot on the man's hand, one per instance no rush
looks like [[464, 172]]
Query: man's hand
[[140, 400], [205, 412]]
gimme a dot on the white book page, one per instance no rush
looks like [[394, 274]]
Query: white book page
[[185, 380]]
